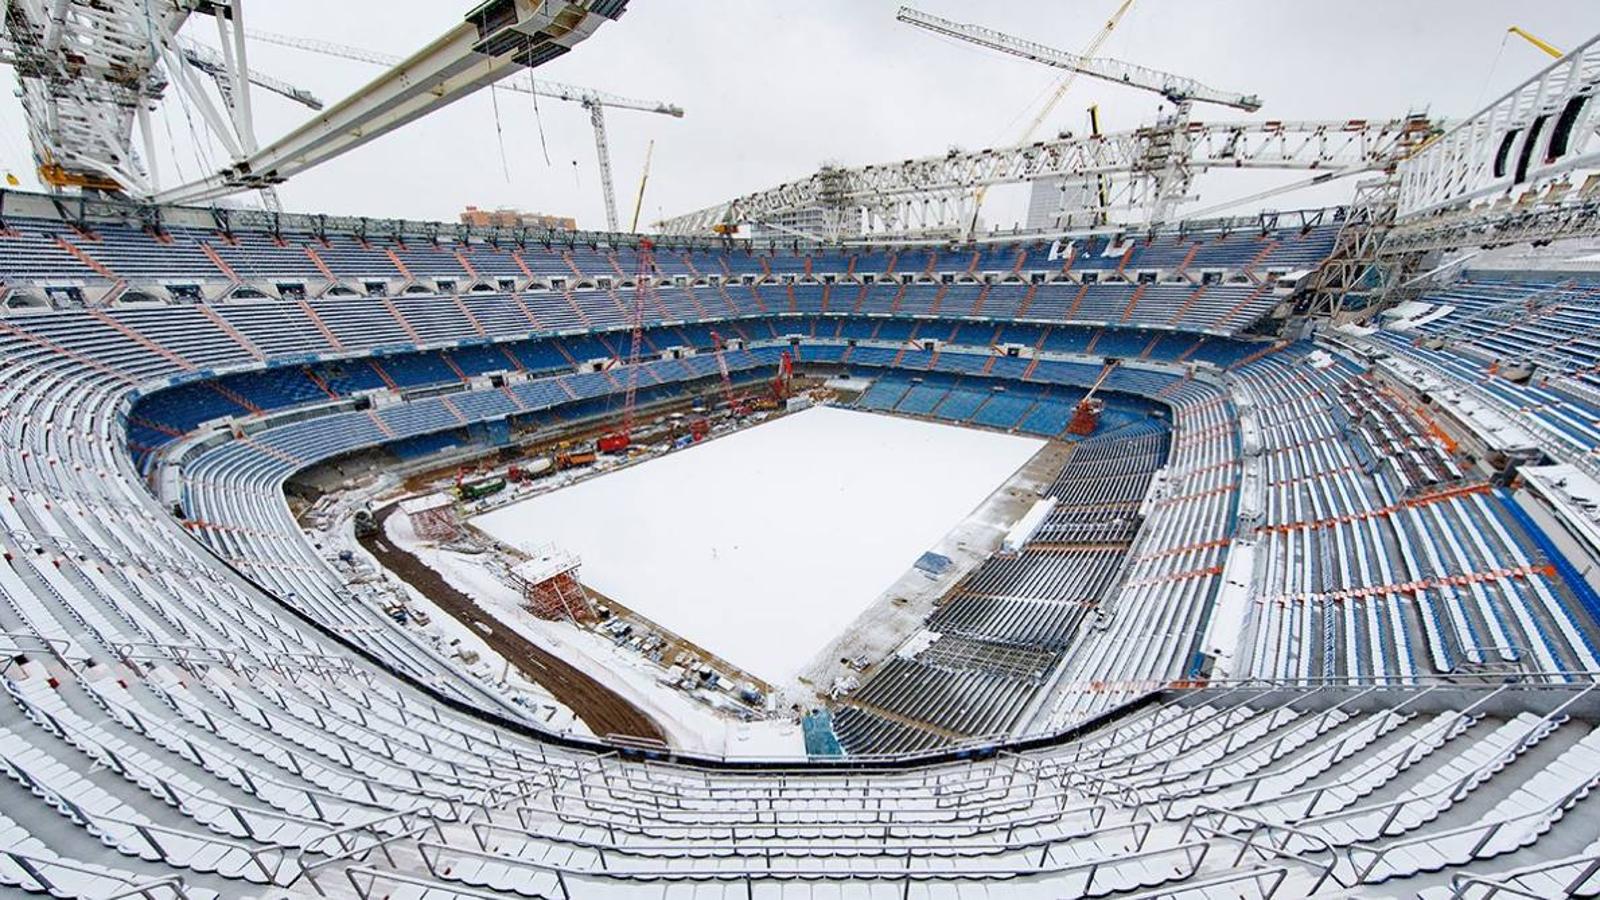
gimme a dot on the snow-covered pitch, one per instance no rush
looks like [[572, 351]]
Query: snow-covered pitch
[[764, 545]]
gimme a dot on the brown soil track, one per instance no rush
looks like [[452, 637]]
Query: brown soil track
[[605, 711]]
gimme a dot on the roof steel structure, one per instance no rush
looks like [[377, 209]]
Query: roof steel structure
[[91, 70], [924, 196]]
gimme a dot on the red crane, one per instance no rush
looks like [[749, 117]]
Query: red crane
[[781, 384], [736, 406], [1086, 417], [644, 287]]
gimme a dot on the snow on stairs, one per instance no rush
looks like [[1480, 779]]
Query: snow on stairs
[[1189, 301], [1027, 300], [466, 315], [1517, 820]]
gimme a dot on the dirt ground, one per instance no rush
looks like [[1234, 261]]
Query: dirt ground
[[602, 709]]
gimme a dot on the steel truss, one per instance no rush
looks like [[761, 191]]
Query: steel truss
[[92, 70], [1539, 135], [1526, 168], [1146, 172], [88, 71]]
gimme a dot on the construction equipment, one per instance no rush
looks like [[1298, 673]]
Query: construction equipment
[[1086, 415], [1169, 169], [1535, 41], [644, 179], [477, 490], [782, 383], [1049, 106], [490, 43], [592, 100], [736, 406], [933, 195], [574, 459], [1177, 89], [779, 389], [643, 290]]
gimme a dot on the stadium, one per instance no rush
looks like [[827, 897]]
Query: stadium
[[1183, 537]]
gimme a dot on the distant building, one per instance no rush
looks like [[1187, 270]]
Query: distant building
[[506, 217]]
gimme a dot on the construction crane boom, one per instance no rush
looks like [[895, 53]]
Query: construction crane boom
[[735, 407], [644, 179], [592, 100], [1086, 415], [1542, 45], [1178, 89], [210, 61], [1072, 75], [643, 290]]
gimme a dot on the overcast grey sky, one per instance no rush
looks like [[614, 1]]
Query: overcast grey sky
[[771, 90]]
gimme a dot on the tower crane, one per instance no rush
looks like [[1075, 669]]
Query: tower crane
[[907, 14], [1167, 164], [592, 100], [1178, 89]]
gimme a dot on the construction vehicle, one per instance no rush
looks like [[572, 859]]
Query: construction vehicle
[[783, 382], [779, 388], [572, 459], [536, 467], [736, 406], [644, 289], [1086, 416], [483, 487]]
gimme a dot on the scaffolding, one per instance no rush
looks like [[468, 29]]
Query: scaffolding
[[433, 517], [550, 586]]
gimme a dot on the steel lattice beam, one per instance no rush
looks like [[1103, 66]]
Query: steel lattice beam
[[1540, 135], [896, 196], [85, 69]]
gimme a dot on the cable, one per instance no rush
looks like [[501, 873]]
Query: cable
[[499, 132], [539, 120], [1488, 79]]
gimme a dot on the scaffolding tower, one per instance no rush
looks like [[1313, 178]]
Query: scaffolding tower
[[433, 517], [550, 586]]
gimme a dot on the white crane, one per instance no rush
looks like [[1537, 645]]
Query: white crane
[[592, 100], [1178, 89], [1167, 165]]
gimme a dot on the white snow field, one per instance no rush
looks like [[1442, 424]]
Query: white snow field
[[763, 545]]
